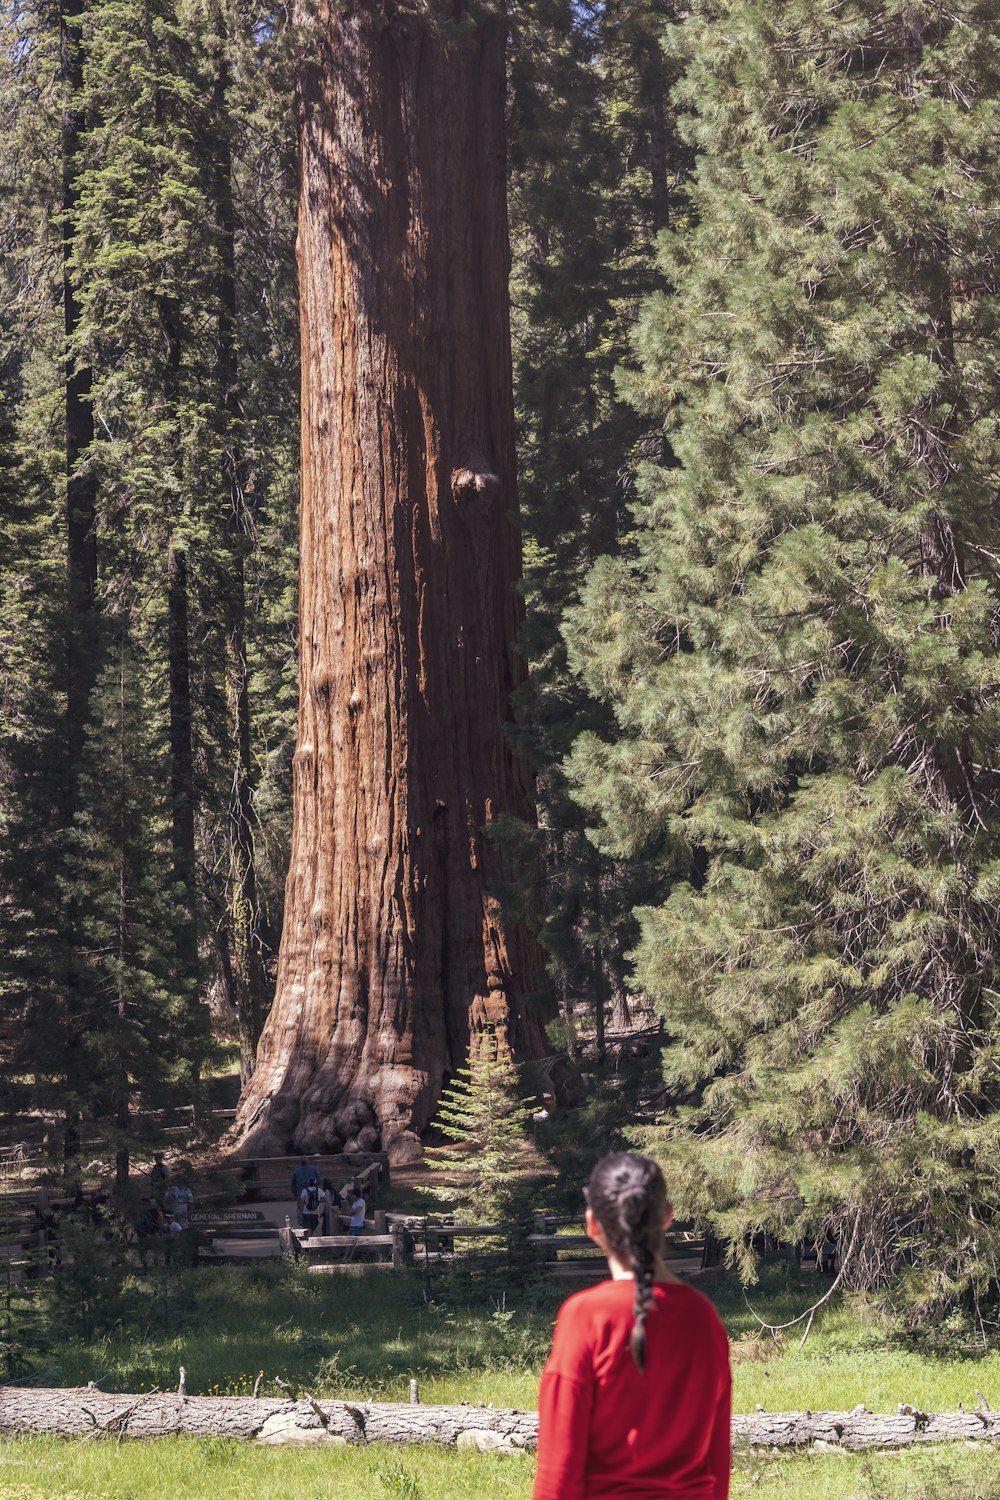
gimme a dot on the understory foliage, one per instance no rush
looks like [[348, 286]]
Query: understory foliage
[[486, 1114], [762, 633], [802, 654], [594, 166], [147, 556]]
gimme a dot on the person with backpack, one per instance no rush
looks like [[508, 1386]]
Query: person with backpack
[[309, 1206], [304, 1174], [152, 1221], [635, 1397]]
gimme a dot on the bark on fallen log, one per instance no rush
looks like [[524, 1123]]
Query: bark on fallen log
[[85, 1412]]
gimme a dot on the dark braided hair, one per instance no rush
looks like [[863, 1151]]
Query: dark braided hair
[[629, 1199]]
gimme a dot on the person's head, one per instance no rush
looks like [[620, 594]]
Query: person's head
[[627, 1212], [303, 1162], [327, 1185]]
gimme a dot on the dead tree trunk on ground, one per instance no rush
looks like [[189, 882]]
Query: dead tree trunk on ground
[[394, 952], [81, 1412]]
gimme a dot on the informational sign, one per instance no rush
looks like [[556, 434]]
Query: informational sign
[[228, 1216]]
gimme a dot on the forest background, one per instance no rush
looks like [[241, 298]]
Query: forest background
[[754, 292]]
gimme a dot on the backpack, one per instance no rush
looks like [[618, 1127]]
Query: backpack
[[312, 1198]]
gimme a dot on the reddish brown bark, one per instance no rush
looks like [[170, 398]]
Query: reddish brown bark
[[393, 951]]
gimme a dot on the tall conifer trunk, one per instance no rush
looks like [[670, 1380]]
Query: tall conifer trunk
[[81, 487], [394, 953], [182, 789], [82, 631], [243, 968]]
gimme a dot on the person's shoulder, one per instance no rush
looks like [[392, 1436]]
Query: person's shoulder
[[592, 1302]]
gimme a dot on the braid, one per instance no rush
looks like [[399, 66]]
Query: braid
[[629, 1197], [643, 1271]]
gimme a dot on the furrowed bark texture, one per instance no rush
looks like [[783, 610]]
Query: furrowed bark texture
[[76, 1412], [393, 952]]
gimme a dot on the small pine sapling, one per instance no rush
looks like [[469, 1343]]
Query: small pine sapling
[[486, 1113]]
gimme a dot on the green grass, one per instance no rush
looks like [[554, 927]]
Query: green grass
[[367, 1333], [364, 1335], [183, 1469]]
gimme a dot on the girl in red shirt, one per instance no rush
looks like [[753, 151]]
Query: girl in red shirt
[[634, 1402]]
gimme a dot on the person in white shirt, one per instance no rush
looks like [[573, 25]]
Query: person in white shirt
[[356, 1204], [178, 1200]]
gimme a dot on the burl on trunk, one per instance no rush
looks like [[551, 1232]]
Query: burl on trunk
[[393, 952]]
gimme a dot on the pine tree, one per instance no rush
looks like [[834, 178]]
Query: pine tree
[[132, 1038], [121, 261], [487, 1114], [591, 128], [37, 635], [34, 952], [246, 147], [803, 656]]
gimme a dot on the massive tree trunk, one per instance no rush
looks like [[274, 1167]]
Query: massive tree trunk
[[394, 953]]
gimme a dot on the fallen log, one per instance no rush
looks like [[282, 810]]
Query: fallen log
[[88, 1412]]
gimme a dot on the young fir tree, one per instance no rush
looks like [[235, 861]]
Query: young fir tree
[[803, 659], [487, 1115]]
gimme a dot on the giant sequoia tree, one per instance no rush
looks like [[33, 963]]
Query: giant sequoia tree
[[804, 658], [394, 951]]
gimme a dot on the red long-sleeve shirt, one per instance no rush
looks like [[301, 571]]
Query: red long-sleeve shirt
[[607, 1432]]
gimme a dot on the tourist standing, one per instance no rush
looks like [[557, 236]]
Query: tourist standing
[[354, 1199], [304, 1175], [635, 1397], [309, 1207], [178, 1201], [159, 1177]]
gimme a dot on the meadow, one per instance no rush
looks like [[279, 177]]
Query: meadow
[[36, 1469], [366, 1334]]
